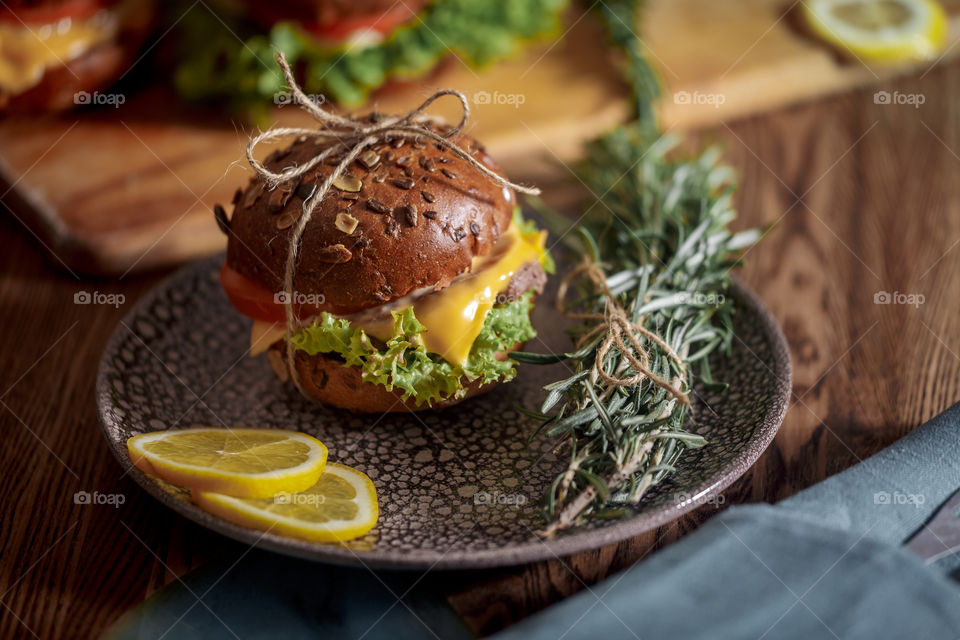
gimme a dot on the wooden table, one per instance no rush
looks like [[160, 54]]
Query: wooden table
[[866, 199]]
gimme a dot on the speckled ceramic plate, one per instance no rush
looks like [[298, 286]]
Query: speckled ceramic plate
[[458, 488]]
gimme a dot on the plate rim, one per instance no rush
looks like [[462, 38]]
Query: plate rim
[[532, 551]]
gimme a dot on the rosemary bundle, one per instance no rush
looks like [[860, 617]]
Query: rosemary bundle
[[652, 299]]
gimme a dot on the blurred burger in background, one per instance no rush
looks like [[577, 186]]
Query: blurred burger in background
[[346, 49], [52, 50]]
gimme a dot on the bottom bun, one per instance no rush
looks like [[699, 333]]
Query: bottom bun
[[330, 382]]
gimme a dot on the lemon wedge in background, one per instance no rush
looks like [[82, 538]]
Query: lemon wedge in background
[[249, 463], [342, 505], [880, 30]]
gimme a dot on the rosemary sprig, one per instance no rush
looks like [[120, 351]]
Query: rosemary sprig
[[660, 235]]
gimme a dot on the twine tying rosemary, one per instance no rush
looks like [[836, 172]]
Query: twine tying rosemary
[[355, 135], [617, 325], [626, 335]]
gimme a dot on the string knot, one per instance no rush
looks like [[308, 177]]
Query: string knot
[[617, 328]]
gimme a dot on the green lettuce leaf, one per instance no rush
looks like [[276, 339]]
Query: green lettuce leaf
[[216, 63], [404, 364]]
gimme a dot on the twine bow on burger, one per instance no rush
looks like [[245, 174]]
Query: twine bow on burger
[[355, 135], [621, 331]]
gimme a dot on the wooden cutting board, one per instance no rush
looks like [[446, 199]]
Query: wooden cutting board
[[724, 59], [117, 190]]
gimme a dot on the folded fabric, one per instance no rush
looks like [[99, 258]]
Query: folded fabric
[[890, 495], [826, 563]]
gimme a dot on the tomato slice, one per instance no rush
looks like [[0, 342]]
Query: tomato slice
[[51, 11], [250, 298], [254, 300], [382, 23]]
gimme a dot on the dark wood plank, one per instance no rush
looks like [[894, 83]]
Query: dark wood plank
[[865, 198]]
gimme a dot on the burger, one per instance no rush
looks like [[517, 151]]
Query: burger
[[53, 50], [345, 49], [415, 279]]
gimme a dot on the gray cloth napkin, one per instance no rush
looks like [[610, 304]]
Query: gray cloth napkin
[[825, 563]]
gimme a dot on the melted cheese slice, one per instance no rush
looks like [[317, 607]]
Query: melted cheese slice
[[452, 317], [263, 334], [27, 51]]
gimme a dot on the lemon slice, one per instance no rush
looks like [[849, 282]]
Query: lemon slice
[[249, 463], [342, 505], [880, 30]]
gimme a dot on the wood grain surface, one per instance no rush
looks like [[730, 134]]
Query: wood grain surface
[[865, 199]]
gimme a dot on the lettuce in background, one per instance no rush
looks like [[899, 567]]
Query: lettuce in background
[[217, 63]]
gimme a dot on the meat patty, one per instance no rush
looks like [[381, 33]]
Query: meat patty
[[529, 277]]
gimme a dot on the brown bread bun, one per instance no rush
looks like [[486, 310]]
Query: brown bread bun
[[422, 215]]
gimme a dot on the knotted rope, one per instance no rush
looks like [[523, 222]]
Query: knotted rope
[[621, 331]]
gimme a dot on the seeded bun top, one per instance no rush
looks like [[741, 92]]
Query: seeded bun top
[[408, 215]]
